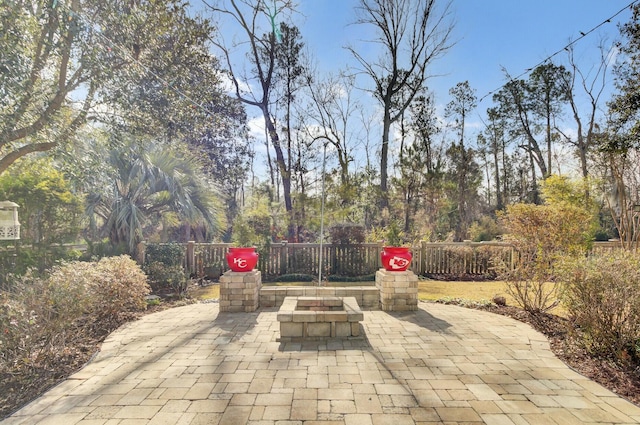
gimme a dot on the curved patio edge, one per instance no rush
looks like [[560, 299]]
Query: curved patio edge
[[440, 364]]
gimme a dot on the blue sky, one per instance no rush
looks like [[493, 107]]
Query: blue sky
[[490, 34]]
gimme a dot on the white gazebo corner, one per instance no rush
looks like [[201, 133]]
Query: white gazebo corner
[[9, 224]]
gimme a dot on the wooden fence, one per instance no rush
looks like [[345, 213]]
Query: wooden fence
[[605, 247], [473, 259], [461, 258], [467, 258]]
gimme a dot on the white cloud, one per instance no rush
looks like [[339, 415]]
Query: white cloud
[[256, 128], [612, 56], [230, 88]]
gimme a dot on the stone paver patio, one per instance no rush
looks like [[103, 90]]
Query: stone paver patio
[[437, 365]]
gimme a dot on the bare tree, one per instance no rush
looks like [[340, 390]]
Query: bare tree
[[592, 86], [254, 85], [332, 107], [413, 33], [623, 200]]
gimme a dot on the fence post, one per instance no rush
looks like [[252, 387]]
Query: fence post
[[467, 264], [190, 257], [422, 268], [513, 260], [333, 251], [283, 258]]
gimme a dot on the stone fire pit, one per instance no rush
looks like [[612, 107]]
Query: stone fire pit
[[319, 317]]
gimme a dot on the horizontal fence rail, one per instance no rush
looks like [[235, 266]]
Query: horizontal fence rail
[[465, 258], [208, 260], [341, 260]]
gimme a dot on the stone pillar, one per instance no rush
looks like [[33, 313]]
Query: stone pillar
[[240, 291], [398, 290]]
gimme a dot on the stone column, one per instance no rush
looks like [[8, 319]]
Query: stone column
[[398, 290], [240, 291]]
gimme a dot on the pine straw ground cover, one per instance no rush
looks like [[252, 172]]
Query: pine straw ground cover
[[23, 383], [19, 387]]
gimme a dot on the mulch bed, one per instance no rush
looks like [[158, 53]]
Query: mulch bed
[[23, 383]]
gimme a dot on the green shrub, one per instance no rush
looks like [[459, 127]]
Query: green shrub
[[169, 254], [601, 295], [347, 233], [484, 229], [338, 278], [100, 249], [295, 277], [394, 235], [18, 261], [163, 265], [163, 278], [243, 234]]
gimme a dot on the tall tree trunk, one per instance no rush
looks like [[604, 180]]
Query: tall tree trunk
[[505, 175], [548, 173], [384, 160], [285, 173], [496, 165], [460, 230], [534, 179]]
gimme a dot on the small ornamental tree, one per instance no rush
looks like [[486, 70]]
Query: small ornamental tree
[[542, 235]]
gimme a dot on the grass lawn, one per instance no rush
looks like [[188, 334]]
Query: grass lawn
[[209, 292], [428, 290], [474, 291]]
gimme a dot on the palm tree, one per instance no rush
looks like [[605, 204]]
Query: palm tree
[[146, 186]]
